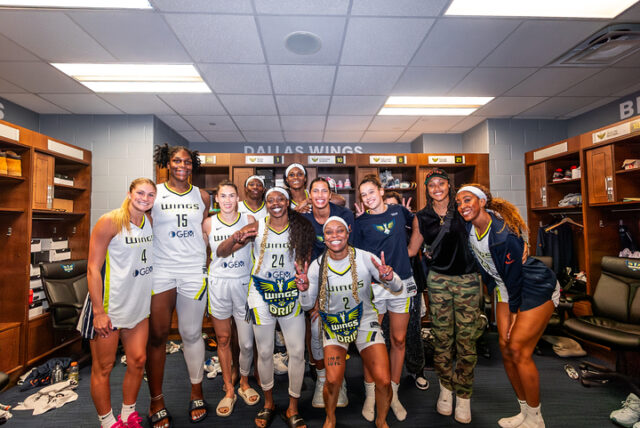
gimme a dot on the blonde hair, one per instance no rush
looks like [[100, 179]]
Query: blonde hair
[[505, 209], [121, 217]]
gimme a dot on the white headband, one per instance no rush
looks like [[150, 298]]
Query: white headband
[[473, 189], [335, 218], [295, 165], [277, 189], [254, 177]]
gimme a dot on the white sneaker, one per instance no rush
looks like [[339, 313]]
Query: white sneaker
[[463, 410], [515, 421], [398, 409], [279, 339], [533, 418], [318, 399], [280, 361], [444, 405], [343, 400], [369, 406]]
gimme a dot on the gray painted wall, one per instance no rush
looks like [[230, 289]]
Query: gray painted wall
[[327, 148], [122, 150], [18, 115], [437, 143], [162, 133], [605, 115], [476, 139]]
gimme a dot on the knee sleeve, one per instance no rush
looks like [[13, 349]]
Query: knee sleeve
[[264, 342], [245, 343], [293, 330], [316, 341], [190, 315]]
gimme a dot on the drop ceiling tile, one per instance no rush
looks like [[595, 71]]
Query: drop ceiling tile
[[204, 123], [632, 60], [134, 36], [347, 123], [223, 136], [342, 136], [249, 105], [257, 123], [435, 81], [490, 82], [630, 15], [302, 104], [192, 136], [82, 103], [275, 29], [302, 79], [218, 38], [607, 82], [398, 7], [303, 123], [263, 136], [392, 123], [177, 123], [602, 101], [39, 77], [463, 41], [507, 106], [354, 80], [194, 104], [557, 106], [550, 81], [206, 6], [52, 36], [629, 90], [535, 43], [380, 137], [466, 124], [303, 137], [10, 87], [408, 137], [34, 103], [302, 7], [356, 105], [10, 51], [383, 41], [236, 78], [138, 103], [435, 124]]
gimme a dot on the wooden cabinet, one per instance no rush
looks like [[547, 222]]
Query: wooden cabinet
[[600, 175], [240, 175], [538, 187], [43, 170]]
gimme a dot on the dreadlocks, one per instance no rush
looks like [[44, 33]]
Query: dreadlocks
[[162, 154]]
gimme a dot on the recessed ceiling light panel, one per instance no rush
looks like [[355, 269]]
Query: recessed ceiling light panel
[[541, 8], [78, 4], [432, 106]]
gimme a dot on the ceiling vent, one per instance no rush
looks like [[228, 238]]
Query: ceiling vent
[[606, 47]]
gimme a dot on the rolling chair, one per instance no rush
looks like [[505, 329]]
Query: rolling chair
[[615, 322], [66, 287]]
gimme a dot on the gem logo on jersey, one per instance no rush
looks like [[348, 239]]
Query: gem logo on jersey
[[385, 228], [143, 271], [234, 264], [343, 325], [280, 295], [182, 234]]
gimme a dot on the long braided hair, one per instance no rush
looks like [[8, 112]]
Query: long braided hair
[[162, 155], [506, 210]]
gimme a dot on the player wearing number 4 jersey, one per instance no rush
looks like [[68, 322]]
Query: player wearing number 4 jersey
[[179, 278], [228, 286]]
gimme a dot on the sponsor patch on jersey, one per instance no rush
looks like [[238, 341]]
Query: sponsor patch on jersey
[[280, 295], [385, 228], [343, 325]]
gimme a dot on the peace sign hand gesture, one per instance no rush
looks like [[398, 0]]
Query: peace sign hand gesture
[[302, 281], [385, 272]]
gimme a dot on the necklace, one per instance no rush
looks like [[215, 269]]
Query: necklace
[[441, 218]]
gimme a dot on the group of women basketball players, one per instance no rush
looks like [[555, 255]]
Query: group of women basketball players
[[295, 258]]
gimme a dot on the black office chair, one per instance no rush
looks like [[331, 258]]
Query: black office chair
[[65, 284], [615, 322]]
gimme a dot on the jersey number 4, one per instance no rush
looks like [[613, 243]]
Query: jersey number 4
[[143, 256]]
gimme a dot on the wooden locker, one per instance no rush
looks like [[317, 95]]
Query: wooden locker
[[600, 175], [43, 181]]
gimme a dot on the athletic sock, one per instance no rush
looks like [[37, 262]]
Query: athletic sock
[[396, 405], [106, 421], [127, 409], [369, 406]]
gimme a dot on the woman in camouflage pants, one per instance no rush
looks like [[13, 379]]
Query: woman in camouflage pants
[[454, 295]]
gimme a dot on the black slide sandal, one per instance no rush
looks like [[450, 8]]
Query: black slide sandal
[[159, 416], [293, 421], [265, 414], [197, 405]]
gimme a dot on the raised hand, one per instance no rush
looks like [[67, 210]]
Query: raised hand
[[304, 206], [359, 209], [385, 272], [302, 280], [407, 203]]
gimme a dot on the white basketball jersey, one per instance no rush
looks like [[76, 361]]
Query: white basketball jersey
[[178, 247], [126, 275], [277, 264], [238, 264], [258, 215]]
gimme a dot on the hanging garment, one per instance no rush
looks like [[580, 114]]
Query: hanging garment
[[557, 244]]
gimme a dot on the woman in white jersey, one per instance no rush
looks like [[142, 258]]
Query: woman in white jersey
[[295, 177], [342, 279], [228, 285], [119, 276], [281, 239], [253, 203], [179, 279]]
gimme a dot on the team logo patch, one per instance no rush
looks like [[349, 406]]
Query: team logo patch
[[280, 295], [320, 238], [385, 228], [68, 268], [634, 266], [343, 325], [509, 259]]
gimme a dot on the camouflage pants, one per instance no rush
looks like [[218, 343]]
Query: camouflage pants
[[454, 306]]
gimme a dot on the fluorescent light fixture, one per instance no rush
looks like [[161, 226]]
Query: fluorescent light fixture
[[432, 106], [158, 78], [541, 8], [78, 4]]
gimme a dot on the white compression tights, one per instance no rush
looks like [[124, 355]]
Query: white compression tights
[[245, 342], [293, 330], [316, 341], [190, 314]]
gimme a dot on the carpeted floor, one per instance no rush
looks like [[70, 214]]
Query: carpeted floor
[[565, 403]]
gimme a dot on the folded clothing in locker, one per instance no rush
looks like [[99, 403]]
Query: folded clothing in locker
[[58, 243], [51, 256], [36, 245]]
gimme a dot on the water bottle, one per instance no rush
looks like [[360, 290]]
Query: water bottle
[[74, 373], [57, 375]]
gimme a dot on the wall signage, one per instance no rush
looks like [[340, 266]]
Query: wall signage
[[207, 160], [609, 133], [387, 160], [446, 159], [629, 108], [9, 132], [325, 160], [263, 160], [307, 148]]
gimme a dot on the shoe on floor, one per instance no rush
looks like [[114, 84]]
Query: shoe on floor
[[280, 361], [369, 406], [463, 410], [134, 421], [343, 400], [629, 414], [444, 406]]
